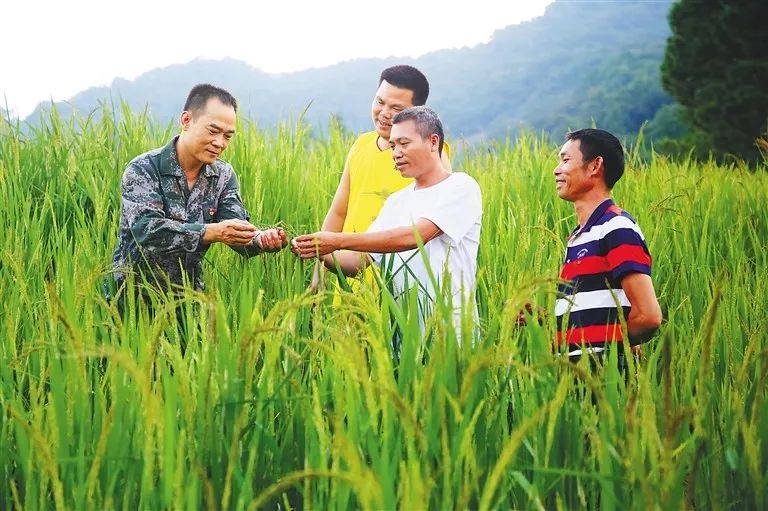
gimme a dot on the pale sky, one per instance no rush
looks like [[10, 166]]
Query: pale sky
[[55, 49]]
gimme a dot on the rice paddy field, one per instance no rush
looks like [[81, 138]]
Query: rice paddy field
[[286, 401]]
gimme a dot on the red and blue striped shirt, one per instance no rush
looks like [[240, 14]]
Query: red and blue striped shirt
[[598, 255]]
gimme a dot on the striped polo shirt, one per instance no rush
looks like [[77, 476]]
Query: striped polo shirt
[[598, 255]]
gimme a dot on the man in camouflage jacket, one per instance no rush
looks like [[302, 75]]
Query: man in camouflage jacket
[[179, 199]]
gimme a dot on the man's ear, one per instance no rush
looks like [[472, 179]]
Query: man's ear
[[434, 142], [185, 120], [596, 166]]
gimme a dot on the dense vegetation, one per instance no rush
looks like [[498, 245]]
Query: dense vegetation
[[284, 400], [716, 66], [576, 64]]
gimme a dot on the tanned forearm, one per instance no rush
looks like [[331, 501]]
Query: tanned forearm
[[351, 263], [337, 213], [645, 317], [641, 326], [389, 241], [392, 240], [333, 221]]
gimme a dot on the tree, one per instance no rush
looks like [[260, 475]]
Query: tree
[[716, 66]]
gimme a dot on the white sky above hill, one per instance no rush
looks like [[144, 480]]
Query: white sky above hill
[[55, 49]]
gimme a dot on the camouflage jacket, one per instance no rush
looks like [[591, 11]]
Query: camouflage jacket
[[162, 222]]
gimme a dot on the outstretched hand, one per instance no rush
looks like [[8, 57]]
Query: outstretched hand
[[317, 244], [271, 240], [232, 232]]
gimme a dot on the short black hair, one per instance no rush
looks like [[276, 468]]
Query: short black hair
[[410, 78], [594, 143], [427, 123], [202, 92]]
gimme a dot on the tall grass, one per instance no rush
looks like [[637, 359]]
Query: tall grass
[[282, 400]]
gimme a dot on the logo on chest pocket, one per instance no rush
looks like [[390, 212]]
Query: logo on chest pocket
[[209, 211]]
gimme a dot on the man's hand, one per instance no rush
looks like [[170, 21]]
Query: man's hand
[[317, 244], [645, 316], [271, 240], [350, 262], [540, 315], [234, 232]]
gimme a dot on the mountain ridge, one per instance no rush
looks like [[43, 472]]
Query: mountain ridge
[[551, 73]]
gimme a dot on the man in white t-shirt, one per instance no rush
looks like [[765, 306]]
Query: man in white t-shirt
[[441, 210]]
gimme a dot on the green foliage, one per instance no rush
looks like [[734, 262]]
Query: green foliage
[[716, 67], [283, 400], [667, 123]]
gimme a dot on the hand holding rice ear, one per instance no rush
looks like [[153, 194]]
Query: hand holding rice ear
[[271, 240], [177, 229], [295, 248], [316, 244]]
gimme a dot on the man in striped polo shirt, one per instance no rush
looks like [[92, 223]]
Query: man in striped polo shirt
[[607, 264]]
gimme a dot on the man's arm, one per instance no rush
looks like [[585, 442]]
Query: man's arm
[[388, 241], [337, 213], [351, 263], [645, 316], [336, 216], [630, 263]]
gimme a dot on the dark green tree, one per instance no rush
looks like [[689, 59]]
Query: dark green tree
[[716, 66]]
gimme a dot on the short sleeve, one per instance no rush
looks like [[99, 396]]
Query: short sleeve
[[625, 248], [380, 223], [456, 209]]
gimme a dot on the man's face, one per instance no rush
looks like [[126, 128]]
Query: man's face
[[208, 132], [573, 176], [389, 100], [411, 152]]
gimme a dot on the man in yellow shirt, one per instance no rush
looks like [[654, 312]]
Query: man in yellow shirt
[[369, 175]]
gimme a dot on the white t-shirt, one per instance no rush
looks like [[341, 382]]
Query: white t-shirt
[[455, 206]]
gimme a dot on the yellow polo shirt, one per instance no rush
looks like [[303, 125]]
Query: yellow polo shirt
[[372, 178]]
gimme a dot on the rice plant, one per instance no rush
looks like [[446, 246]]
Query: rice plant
[[283, 400]]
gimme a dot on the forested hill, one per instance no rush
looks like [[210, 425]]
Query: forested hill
[[579, 62]]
